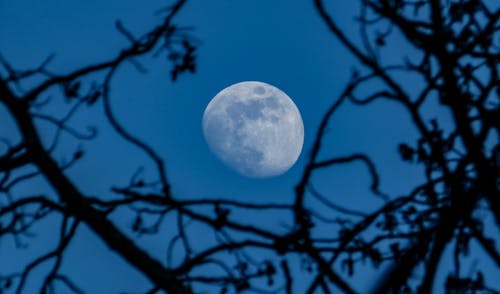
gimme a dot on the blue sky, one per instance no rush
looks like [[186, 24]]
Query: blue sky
[[280, 42]]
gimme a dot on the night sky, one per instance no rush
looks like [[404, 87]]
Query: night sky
[[280, 42]]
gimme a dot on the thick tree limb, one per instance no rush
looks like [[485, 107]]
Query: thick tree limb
[[80, 207]]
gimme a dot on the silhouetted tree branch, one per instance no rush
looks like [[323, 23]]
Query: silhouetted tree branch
[[454, 73], [321, 247]]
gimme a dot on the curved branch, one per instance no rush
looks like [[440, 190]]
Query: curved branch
[[79, 206], [132, 139], [138, 48], [356, 157]]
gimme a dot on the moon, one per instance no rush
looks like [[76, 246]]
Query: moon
[[254, 128]]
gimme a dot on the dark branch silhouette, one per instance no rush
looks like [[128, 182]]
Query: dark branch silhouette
[[456, 53]]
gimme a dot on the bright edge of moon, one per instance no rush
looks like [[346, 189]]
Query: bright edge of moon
[[254, 128]]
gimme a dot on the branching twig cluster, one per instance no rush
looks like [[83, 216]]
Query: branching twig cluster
[[456, 53]]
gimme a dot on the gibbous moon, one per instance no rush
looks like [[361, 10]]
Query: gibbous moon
[[254, 128]]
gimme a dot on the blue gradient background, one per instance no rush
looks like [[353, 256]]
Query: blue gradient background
[[280, 42]]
